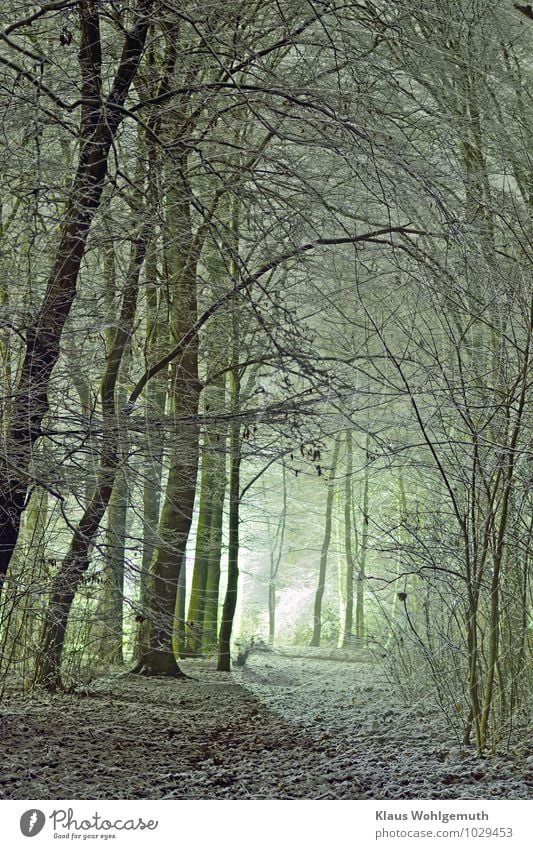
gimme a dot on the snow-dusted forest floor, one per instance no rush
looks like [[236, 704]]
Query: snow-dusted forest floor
[[280, 728]]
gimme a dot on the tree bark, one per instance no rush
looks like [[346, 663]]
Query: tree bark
[[111, 611], [350, 566], [155, 403], [230, 600], [276, 553], [197, 599], [210, 623], [157, 653], [361, 572], [317, 611]]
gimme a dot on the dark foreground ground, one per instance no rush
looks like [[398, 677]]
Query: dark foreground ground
[[282, 728]]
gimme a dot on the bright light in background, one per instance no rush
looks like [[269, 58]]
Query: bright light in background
[[293, 607]]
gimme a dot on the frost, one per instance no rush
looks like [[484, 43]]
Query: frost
[[281, 728]]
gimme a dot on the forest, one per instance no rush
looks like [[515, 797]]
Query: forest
[[266, 345]]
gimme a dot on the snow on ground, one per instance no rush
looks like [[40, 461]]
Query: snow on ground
[[280, 728], [394, 751]]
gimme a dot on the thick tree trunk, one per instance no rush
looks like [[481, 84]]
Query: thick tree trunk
[[157, 655], [208, 535], [99, 124], [319, 595], [24, 593]]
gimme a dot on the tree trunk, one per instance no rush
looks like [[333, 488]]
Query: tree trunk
[[6, 353], [350, 566], [317, 621], [76, 562], [111, 612], [157, 655], [230, 601], [402, 521], [155, 403], [24, 593], [180, 625], [361, 572], [203, 606], [276, 553], [197, 599], [110, 609], [210, 623]]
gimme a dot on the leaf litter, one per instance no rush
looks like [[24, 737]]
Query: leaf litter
[[282, 727]]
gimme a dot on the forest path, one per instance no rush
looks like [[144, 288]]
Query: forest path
[[379, 748], [279, 728]]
